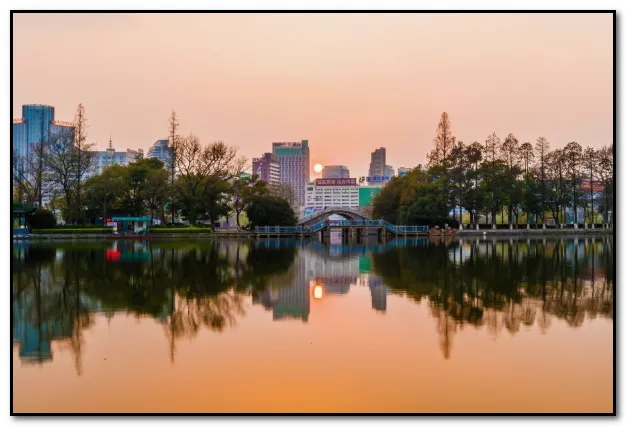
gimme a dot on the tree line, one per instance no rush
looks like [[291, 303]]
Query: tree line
[[197, 182], [520, 182]]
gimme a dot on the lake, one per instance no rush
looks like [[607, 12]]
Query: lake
[[416, 325]]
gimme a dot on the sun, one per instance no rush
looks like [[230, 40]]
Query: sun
[[317, 168]]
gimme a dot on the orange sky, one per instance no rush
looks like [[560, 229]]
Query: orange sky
[[349, 83]]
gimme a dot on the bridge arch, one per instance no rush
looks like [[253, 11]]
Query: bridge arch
[[350, 214]]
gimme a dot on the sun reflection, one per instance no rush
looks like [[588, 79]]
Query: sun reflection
[[317, 291]]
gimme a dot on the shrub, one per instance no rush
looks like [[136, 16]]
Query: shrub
[[186, 230], [42, 218], [105, 230]]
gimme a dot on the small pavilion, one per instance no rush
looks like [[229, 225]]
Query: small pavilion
[[131, 225], [21, 216]]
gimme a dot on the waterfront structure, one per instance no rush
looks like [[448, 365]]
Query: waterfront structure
[[267, 168], [377, 163], [37, 125], [332, 193], [160, 150], [335, 171], [293, 160], [389, 171]]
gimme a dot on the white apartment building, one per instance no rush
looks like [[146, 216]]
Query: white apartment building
[[332, 193]]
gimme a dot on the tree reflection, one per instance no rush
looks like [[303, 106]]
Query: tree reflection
[[504, 285], [185, 286]]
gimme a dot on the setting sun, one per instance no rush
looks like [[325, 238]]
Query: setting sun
[[317, 168]]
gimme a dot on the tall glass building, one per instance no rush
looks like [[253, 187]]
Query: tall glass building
[[293, 160], [160, 150], [36, 125]]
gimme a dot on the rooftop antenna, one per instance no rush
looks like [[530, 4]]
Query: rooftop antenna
[[110, 143]]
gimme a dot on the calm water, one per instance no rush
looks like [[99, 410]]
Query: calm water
[[227, 326]]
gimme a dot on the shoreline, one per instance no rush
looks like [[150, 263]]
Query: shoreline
[[253, 235], [536, 232]]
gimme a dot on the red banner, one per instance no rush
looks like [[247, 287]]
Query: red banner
[[597, 186]]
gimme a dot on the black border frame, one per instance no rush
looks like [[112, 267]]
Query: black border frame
[[327, 11]]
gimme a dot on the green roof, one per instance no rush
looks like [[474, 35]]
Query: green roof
[[130, 218], [20, 208]]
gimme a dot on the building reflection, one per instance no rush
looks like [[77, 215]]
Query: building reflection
[[322, 271], [499, 285]]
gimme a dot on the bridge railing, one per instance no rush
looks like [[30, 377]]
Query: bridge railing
[[280, 229]]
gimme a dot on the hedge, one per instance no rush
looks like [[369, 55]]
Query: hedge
[[105, 230], [180, 230]]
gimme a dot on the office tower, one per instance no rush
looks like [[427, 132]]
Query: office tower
[[267, 169], [110, 157], [332, 193], [403, 171], [389, 171], [37, 125], [293, 160], [335, 171], [160, 150], [377, 163]]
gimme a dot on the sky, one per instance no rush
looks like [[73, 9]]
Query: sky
[[348, 83]]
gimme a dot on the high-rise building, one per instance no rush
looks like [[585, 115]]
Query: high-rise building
[[160, 150], [110, 157], [389, 171], [403, 171], [267, 168], [37, 125], [293, 160], [335, 171], [377, 163], [332, 193]]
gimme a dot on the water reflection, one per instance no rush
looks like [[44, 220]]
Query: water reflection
[[499, 285]]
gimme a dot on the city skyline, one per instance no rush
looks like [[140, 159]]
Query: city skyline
[[347, 83]]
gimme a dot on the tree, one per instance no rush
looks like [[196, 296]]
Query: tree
[[605, 171], [510, 151], [444, 142], [60, 161], [526, 154], [589, 163], [156, 189], [198, 166], [244, 189], [105, 191], [572, 157], [557, 196], [473, 199], [542, 149], [172, 158], [83, 154], [285, 191], [493, 169], [270, 210]]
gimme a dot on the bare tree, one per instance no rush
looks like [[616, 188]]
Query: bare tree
[[82, 153], [60, 162], [198, 166], [286, 192], [171, 166]]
